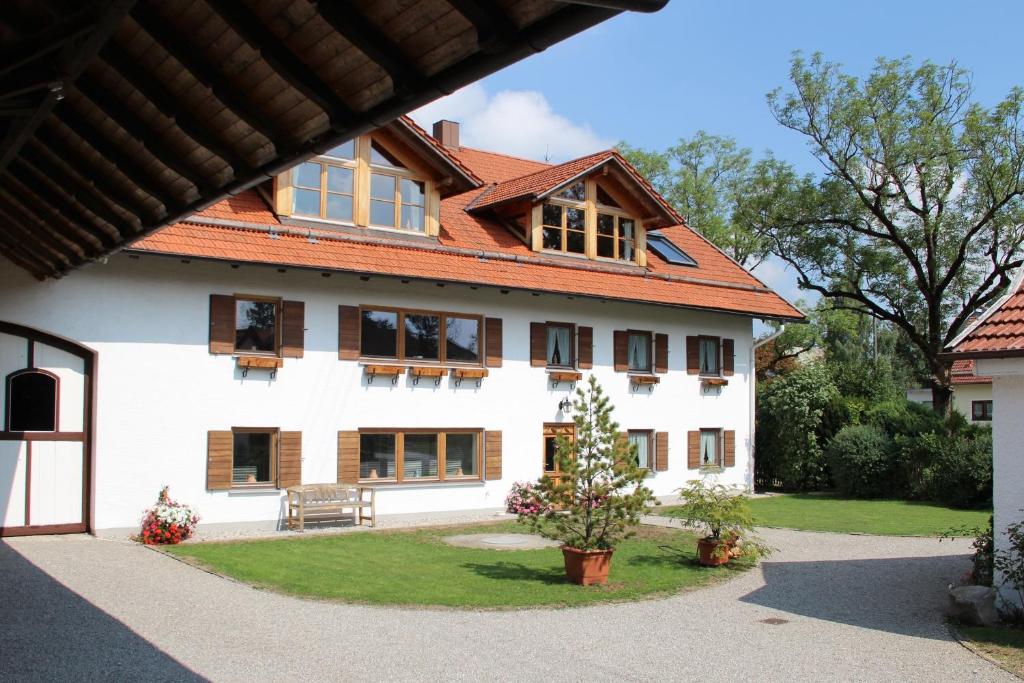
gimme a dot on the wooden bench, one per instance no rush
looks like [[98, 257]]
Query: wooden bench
[[329, 501]]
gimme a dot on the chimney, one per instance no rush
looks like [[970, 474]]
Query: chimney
[[447, 133]]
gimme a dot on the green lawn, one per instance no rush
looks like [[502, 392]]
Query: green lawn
[[417, 568], [816, 512], [1004, 645]]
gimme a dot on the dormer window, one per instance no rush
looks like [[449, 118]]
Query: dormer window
[[583, 218], [362, 183]]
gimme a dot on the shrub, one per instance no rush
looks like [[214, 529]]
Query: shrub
[[862, 459], [723, 513], [523, 500], [951, 468], [1010, 563], [900, 417], [789, 442], [168, 522]]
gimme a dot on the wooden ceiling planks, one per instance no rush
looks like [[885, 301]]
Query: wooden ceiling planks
[[120, 117]]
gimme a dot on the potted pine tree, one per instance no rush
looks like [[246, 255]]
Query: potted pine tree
[[598, 496], [724, 515]]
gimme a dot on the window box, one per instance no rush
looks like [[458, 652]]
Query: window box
[[435, 372], [556, 376], [271, 363], [392, 371], [459, 374], [714, 381], [644, 380]]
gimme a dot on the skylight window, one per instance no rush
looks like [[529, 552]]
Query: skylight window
[[668, 250]]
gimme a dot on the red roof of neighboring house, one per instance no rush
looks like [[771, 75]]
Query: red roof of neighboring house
[[1000, 331], [963, 372], [472, 248]]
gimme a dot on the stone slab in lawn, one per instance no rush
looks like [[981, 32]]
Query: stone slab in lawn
[[501, 541]]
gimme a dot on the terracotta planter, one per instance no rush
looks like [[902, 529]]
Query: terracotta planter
[[587, 567], [710, 556]]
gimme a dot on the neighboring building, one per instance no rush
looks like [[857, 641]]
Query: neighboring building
[[996, 343], [401, 311], [972, 393]]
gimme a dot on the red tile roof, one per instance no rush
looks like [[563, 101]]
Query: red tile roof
[[493, 167], [1000, 331], [963, 372], [472, 249]]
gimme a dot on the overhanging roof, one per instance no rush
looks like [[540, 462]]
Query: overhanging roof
[[120, 117]]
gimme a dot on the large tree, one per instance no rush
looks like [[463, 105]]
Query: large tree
[[917, 216], [704, 178]]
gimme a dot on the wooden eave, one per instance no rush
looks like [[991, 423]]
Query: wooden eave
[[120, 117]]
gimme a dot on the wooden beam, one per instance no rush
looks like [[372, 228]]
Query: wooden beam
[[48, 40], [494, 30], [72, 238], [282, 60], [96, 175], [141, 131], [30, 263], [136, 173], [23, 235], [46, 192], [372, 42], [78, 189], [186, 54], [170, 106], [71, 61]]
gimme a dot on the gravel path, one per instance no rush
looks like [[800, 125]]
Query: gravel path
[[844, 608]]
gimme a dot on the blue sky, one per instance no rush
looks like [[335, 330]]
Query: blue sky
[[651, 79]]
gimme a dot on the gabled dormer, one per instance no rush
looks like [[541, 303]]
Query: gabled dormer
[[595, 207], [390, 180]]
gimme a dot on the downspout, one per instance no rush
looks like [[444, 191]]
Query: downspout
[[753, 393]]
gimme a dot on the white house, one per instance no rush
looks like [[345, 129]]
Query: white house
[[401, 311], [996, 343], [972, 393]]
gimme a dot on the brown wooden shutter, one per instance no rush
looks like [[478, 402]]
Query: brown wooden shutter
[[693, 355], [492, 342], [492, 455], [220, 456], [348, 457], [289, 464], [348, 332], [624, 441], [222, 323], [660, 451], [620, 350], [661, 353], [538, 344], [293, 328], [585, 348], [693, 450], [730, 447], [728, 356]]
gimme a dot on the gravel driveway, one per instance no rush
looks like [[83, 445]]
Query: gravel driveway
[[826, 607]]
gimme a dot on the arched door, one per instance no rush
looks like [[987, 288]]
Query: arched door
[[45, 432]]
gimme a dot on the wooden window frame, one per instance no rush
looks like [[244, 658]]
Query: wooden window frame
[[651, 446], [718, 355], [278, 324], [551, 431], [7, 400], [619, 215], [565, 204], [324, 162], [442, 434], [719, 464], [571, 365], [986, 415], [275, 455], [398, 174], [650, 352], [442, 351]]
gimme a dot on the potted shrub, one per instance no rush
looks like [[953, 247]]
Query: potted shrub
[[723, 513], [598, 496], [168, 522]]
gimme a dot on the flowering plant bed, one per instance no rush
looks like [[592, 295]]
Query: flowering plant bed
[[168, 522], [523, 499]]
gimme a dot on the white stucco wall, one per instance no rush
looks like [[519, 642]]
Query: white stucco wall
[[160, 391], [965, 394], [1008, 450]]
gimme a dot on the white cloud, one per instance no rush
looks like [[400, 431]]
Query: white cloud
[[518, 122]]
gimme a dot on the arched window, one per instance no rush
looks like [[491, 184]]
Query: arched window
[[32, 401]]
